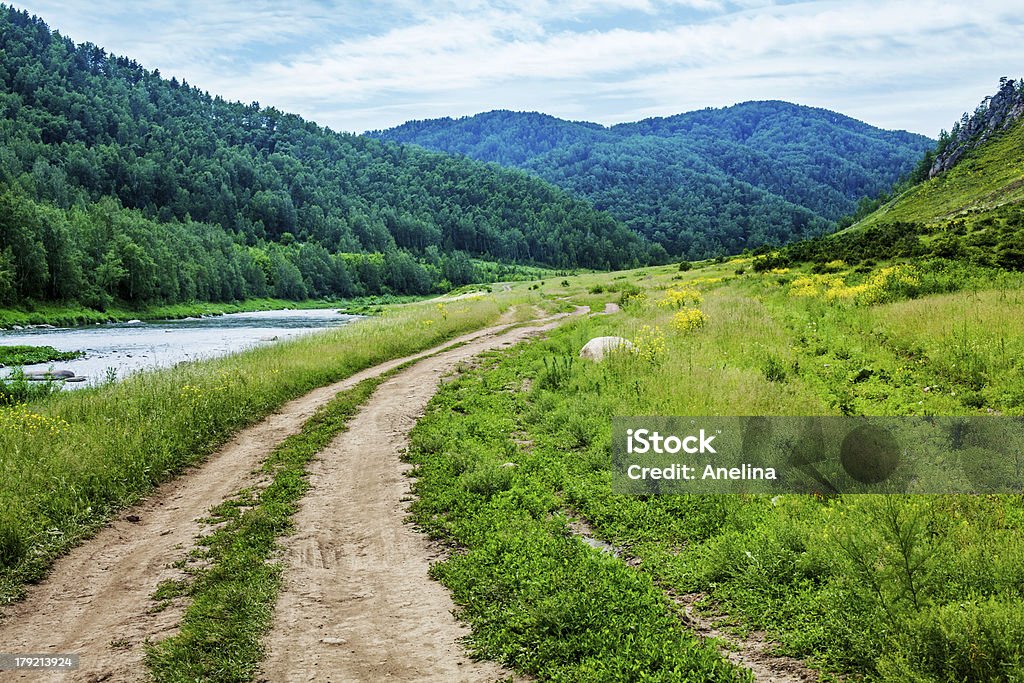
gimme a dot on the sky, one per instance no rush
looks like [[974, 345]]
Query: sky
[[357, 66]]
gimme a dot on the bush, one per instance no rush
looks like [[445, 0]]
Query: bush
[[487, 480], [631, 295], [769, 262], [969, 641], [685, 266], [16, 389], [12, 544], [774, 369]]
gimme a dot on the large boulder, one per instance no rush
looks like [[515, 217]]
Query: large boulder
[[599, 347]]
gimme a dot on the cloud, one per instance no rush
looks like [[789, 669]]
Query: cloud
[[356, 66]]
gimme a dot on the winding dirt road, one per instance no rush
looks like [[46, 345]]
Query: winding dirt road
[[96, 600], [358, 604]]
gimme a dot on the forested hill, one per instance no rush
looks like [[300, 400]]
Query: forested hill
[[702, 183], [116, 183]]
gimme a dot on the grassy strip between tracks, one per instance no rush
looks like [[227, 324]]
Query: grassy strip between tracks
[[233, 594], [67, 463]]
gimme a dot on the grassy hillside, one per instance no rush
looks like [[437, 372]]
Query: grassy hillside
[[702, 183], [985, 184], [969, 211]]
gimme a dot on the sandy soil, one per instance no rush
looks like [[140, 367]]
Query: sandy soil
[[96, 600], [358, 604]]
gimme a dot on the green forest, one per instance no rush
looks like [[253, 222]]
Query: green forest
[[118, 185], [700, 184]]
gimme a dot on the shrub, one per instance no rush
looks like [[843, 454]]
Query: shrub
[[769, 262], [631, 295], [650, 343], [675, 298], [689, 319], [967, 641], [774, 369]]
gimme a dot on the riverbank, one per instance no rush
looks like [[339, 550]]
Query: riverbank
[[75, 315]]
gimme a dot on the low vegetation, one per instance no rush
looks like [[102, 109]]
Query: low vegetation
[[232, 595], [538, 599], [71, 315], [108, 446], [891, 588], [30, 355]]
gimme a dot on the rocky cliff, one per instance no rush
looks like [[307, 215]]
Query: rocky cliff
[[994, 114]]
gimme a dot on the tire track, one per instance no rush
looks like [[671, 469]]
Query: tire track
[[96, 600], [357, 603]]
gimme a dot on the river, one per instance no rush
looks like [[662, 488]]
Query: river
[[131, 347]]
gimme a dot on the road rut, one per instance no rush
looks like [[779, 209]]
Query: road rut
[[96, 599], [358, 604]]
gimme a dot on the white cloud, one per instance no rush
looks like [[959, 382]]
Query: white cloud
[[354, 66]]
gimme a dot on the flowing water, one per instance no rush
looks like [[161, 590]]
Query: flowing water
[[124, 348]]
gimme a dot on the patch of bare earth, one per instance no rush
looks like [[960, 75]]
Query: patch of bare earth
[[96, 600], [752, 651], [358, 604]]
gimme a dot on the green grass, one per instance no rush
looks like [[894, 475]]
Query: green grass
[[232, 596], [538, 600], [29, 355], [884, 588], [69, 462], [987, 178], [70, 316], [893, 588]]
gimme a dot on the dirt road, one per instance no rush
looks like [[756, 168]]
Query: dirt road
[[96, 601], [358, 604]]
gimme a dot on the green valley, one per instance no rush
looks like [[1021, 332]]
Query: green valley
[[118, 186], [426, 491]]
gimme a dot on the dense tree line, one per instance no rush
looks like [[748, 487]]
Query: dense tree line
[[92, 139], [100, 253], [703, 183]]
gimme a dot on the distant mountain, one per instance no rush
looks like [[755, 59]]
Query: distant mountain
[[703, 183], [965, 201], [119, 184]]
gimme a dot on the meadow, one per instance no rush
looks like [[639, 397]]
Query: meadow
[[72, 459], [512, 465], [72, 315], [512, 457]]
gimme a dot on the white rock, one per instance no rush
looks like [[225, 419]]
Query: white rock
[[597, 348]]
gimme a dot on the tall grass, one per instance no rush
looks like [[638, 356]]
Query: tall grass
[[67, 463], [896, 588]]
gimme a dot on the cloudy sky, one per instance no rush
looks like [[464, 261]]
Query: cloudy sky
[[356, 66]]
